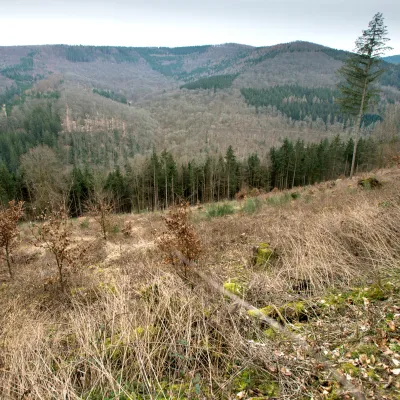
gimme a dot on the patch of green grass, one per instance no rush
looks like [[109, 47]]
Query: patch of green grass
[[250, 379], [252, 205], [84, 224], [115, 229], [219, 210], [279, 199]]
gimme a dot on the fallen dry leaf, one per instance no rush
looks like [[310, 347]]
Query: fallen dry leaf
[[396, 371], [391, 325]]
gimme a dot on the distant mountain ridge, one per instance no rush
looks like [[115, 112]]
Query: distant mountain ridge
[[182, 99], [393, 59], [182, 64]]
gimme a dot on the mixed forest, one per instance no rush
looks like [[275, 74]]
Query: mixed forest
[[184, 223], [199, 133]]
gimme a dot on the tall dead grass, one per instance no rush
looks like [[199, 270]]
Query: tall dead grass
[[334, 247], [166, 341], [139, 331]]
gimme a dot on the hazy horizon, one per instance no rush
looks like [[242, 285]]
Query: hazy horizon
[[177, 23]]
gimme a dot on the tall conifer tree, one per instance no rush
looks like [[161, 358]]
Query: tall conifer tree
[[360, 71]]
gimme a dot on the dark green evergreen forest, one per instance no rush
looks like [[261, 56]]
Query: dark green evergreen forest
[[213, 82]]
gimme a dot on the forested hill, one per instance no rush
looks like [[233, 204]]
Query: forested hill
[[111, 105], [393, 59]]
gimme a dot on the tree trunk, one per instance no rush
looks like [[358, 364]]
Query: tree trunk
[[358, 125], [8, 261]]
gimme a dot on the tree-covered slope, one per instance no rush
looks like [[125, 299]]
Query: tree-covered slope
[[247, 97], [393, 59]]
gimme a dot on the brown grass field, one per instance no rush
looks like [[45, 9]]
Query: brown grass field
[[129, 326]]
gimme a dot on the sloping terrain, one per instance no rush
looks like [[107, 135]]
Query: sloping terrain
[[181, 99], [322, 261]]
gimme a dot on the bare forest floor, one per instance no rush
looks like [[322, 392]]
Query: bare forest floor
[[323, 261]]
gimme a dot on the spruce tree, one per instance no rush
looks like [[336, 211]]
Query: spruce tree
[[360, 71]]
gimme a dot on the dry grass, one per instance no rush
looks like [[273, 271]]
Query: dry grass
[[128, 327]]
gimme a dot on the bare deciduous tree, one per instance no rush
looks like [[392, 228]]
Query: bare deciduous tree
[[44, 174], [9, 218], [100, 208], [54, 235]]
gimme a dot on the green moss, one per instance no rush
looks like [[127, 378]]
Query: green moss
[[139, 330], [368, 349], [268, 310], [356, 296], [254, 313], [350, 369], [263, 254], [298, 307], [234, 287], [374, 293], [373, 375], [293, 311], [270, 333], [250, 379]]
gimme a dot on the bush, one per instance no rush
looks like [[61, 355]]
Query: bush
[[369, 183], [54, 235], [180, 243], [9, 218], [219, 210], [295, 195], [279, 200]]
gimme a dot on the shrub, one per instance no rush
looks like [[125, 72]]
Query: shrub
[[180, 243], [279, 200], [369, 183], [54, 235], [9, 218], [100, 208], [219, 210], [295, 195]]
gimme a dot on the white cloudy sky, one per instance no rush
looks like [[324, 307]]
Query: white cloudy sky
[[334, 23]]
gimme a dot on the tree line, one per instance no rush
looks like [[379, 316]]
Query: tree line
[[42, 180], [301, 103], [109, 94]]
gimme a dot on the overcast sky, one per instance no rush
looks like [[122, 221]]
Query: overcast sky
[[334, 23]]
